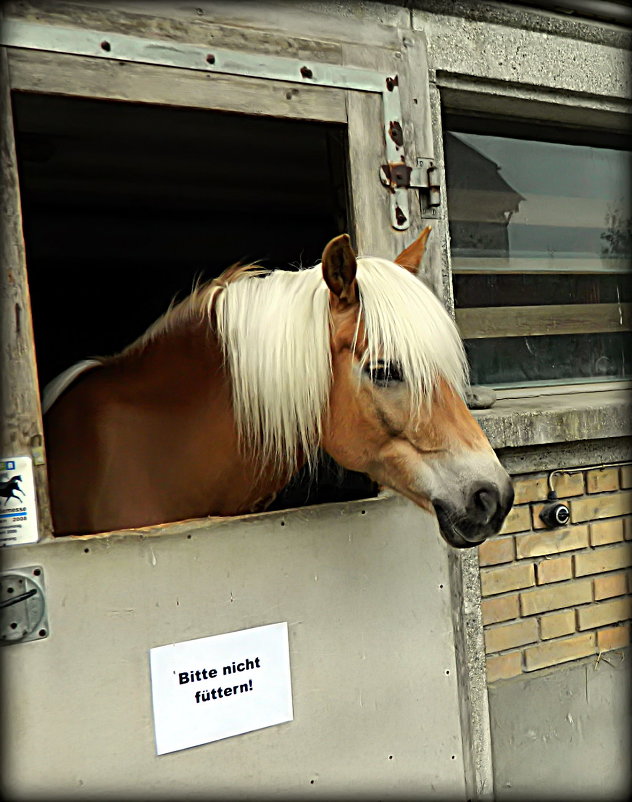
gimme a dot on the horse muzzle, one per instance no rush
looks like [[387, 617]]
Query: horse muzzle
[[485, 508]]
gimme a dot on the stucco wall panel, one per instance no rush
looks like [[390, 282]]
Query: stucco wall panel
[[564, 733], [491, 51]]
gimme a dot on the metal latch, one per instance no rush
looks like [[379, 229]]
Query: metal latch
[[423, 177], [23, 615]]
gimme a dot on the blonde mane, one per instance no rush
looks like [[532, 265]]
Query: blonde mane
[[274, 330]]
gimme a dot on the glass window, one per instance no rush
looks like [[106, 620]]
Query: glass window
[[541, 248]]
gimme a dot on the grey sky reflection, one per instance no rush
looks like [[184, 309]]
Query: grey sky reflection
[[576, 200]]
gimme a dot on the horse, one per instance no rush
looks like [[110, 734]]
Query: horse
[[226, 396], [9, 487]]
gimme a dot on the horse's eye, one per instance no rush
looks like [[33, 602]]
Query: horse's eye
[[384, 373]]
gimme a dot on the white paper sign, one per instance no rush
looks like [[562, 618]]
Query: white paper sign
[[18, 505], [211, 688]]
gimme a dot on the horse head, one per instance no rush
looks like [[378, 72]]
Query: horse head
[[396, 408]]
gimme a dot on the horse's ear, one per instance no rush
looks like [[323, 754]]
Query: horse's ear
[[411, 257], [339, 269]]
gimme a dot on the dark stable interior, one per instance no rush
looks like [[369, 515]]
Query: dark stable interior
[[126, 205]]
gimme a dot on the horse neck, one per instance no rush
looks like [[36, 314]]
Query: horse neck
[[172, 364], [183, 372]]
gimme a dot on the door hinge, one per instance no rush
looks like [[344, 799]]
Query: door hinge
[[424, 177]]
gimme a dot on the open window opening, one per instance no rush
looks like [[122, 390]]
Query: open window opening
[[126, 205]]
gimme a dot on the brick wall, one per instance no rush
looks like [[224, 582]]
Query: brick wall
[[554, 595]]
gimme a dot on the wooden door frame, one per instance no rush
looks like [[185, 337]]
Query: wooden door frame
[[48, 71]]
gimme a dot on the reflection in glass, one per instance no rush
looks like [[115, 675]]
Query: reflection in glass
[[540, 233], [520, 199]]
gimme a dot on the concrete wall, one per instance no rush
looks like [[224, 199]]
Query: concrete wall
[[564, 733]]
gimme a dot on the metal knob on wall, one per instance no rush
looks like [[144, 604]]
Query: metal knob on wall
[[23, 615], [557, 513], [554, 513]]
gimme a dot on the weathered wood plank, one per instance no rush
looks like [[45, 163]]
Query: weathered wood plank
[[370, 201], [502, 265], [369, 210], [22, 429], [418, 135], [290, 27], [59, 73], [159, 22], [531, 321], [409, 66]]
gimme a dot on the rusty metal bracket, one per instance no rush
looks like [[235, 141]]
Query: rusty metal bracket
[[121, 47], [424, 176]]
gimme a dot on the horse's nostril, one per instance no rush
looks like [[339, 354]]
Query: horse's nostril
[[483, 500], [486, 499]]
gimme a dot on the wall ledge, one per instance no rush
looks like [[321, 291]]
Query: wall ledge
[[540, 420]]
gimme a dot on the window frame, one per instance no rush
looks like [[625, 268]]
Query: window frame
[[581, 118], [99, 77]]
